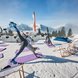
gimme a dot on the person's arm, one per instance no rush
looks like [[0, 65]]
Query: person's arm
[[24, 34], [14, 25]]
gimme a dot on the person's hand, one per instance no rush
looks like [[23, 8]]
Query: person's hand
[[12, 24]]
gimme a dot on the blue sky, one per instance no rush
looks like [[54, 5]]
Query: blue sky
[[48, 12]]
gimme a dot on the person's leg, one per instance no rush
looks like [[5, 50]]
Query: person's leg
[[21, 49], [50, 43], [33, 49]]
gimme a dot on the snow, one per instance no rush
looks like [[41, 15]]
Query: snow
[[40, 41], [1, 42], [52, 65]]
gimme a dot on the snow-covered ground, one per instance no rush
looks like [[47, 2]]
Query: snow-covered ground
[[52, 65]]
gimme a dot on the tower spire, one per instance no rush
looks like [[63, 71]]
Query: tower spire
[[34, 23]]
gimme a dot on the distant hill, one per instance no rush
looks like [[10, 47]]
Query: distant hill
[[44, 28], [68, 26], [22, 27]]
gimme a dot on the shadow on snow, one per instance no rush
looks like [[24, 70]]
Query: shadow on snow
[[53, 59]]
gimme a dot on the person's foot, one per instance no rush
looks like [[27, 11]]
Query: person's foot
[[8, 66], [13, 61], [53, 45], [38, 56], [2, 55], [35, 48]]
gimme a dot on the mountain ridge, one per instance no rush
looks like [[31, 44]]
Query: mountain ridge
[[24, 27]]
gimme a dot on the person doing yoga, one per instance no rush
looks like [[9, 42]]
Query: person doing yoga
[[48, 41], [24, 41]]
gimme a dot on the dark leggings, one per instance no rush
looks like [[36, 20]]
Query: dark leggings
[[21, 49], [24, 43]]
